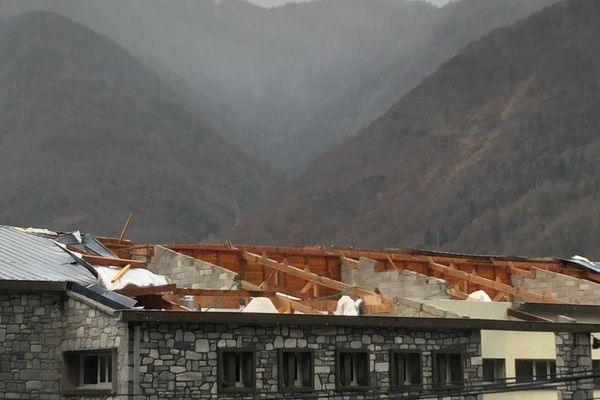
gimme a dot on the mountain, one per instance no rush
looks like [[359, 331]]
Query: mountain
[[291, 82], [88, 134], [494, 152]]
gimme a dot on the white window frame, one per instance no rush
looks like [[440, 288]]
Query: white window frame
[[105, 373]]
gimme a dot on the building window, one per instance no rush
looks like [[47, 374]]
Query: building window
[[352, 370], [296, 372], [447, 369], [236, 370], [596, 370], [405, 370], [494, 370], [534, 370], [92, 371]]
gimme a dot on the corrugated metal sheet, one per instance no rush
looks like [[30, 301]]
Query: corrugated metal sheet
[[27, 257]]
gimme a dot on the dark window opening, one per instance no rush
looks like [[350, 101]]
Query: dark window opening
[[405, 369], [236, 370], [296, 370], [448, 369], [494, 370], [535, 370], [352, 370], [596, 370]]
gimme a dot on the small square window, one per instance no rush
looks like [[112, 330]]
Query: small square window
[[447, 369], [296, 372], [494, 370], [352, 370], [405, 370], [236, 371], [89, 371]]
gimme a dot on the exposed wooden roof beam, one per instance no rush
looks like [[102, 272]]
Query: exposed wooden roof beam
[[113, 262], [308, 276], [488, 283]]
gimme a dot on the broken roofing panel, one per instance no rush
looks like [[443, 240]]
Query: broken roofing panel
[[27, 257]]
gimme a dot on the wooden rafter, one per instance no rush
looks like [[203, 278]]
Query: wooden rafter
[[488, 283], [306, 275], [294, 305], [114, 262]]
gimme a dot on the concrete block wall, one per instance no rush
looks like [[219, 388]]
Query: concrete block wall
[[562, 287], [190, 272], [400, 284]]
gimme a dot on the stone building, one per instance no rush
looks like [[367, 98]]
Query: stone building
[[64, 336], [62, 341]]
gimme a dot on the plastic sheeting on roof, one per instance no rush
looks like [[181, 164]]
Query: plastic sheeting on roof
[[28, 257], [136, 277]]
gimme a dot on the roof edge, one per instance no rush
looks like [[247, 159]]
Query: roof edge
[[446, 324], [33, 286]]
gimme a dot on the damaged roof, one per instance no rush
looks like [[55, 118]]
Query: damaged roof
[[27, 257]]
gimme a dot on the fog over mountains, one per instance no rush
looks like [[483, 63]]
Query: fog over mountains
[[88, 134], [495, 152], [395, 123], [291, 82]]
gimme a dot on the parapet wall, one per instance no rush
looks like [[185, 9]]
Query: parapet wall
[[395, 284], [561, 287], [190, 272]]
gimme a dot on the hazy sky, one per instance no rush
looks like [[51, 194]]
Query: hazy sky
[[272, 3]]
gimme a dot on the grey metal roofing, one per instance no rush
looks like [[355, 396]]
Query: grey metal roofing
[[582, 262], [27, 257]]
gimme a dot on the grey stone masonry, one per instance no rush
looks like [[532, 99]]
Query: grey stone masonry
[[30, 336], [403, 284], [86, 327], [574, 357], [181, 360], [37, 328], [562, 287], [190, 272]]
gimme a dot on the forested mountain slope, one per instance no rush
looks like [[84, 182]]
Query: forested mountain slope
[[495, 152], [88, 134], [290, 82]]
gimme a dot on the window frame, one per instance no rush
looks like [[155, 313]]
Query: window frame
[[338, 385], [534, 361], [495, 380], [72, 373], [596, 371], [280, 376], [434, 368], [393, 366], [220, 370]]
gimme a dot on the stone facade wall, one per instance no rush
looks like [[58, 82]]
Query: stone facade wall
[[35, 329], [574, 357], [403, 284], [562, 287], [30, 335], [180, 361], [86, 327], [190, 272]]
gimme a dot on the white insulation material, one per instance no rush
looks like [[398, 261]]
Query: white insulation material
[[135, 276], [479, 295], [346, 306], [260, 305]]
